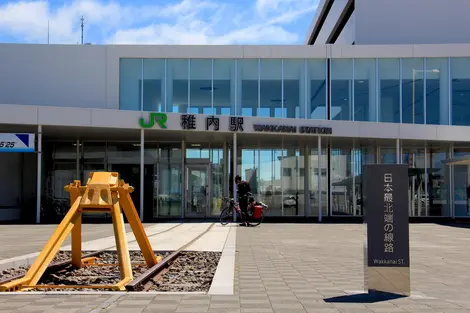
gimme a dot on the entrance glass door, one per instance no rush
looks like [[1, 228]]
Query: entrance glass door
[[198, 191], [168, 190]]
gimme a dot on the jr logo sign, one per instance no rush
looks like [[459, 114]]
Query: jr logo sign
[[160, 118]]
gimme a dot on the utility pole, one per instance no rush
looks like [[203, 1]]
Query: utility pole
[[82, 19], [47, 31]]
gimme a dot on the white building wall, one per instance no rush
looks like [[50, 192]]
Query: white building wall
[[348, 34], [412, 21], [332, 18], [53, 75]]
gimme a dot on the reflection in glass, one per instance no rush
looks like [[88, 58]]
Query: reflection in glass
[[438, 181], [294, 88], [130, 76], [247, 84], [388, 155], [224, 87], [341, 180], [293, 175], [437, 91], [316, 90], [217, 183], [363, 154], [413, 91], [341, 89], [177, 80], [200, 85], [460, 75], [270, 180], [271, 88], [461, 184], [154, 75], [365, 90], [313, 183], [417, 198], [389, 99]]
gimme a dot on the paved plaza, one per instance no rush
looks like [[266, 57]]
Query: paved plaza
[[286, 268]]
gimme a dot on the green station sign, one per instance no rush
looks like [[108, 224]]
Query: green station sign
[[160, 118]]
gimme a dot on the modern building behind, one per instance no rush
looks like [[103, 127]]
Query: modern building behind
[[297, 122], [390, 22]]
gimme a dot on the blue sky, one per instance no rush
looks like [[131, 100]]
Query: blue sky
[[157, 21]]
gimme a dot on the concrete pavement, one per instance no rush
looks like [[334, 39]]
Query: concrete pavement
[[300, 268]]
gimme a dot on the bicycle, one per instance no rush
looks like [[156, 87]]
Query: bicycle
[[255, 213]]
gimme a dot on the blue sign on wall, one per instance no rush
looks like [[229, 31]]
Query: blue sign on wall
[[17, 142]]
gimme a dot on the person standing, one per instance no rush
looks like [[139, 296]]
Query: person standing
[[243, 188]]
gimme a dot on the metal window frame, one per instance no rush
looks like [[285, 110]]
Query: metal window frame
[[306, 104], [165, 109], [259, 89], [425, 78], [401, 89], [235, 108], [212, 86], [449, 81], [189, 87], [282, 91], [352, 108], [377, 89], [142, 85]]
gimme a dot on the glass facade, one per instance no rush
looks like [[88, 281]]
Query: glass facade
[[432, 91]]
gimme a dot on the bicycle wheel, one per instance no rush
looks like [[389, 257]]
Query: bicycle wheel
[[226, 216], [255, 221]]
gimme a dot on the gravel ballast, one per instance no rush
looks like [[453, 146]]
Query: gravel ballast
[[189, 272]]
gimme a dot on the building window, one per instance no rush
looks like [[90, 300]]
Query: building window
[[130, 78], [341, 75], [460, 76], [389, 84]]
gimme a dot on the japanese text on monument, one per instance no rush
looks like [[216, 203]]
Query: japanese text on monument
[[388, 213]]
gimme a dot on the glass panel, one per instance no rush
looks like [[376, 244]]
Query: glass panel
[[271, 88], [169, 190], [248, 83], [461, 184], [293, 176], [438, 180], [437, 91], [413, 91], [294, 88], [389, 75], [197, 190], [217, 183], [177, 85], [341, 179], [388, 155], [364, 153], [313, 184], [316, 76], [341, 89], [201, 86], [124, 158], [270, 180], [460, 75], [130, 76], [249, 168], [417, 199], [224, 87], [154, 74], [365, 102]]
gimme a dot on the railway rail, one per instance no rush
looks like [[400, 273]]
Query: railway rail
[[142, 282]]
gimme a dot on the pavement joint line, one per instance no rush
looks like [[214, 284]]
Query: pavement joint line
[[224, 277], [108, 303], [28, 259]]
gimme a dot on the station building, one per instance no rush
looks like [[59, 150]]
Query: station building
[[297, 122]]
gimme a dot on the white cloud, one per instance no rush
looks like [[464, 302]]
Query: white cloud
[[181, 22]]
